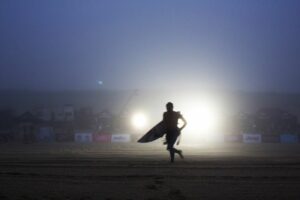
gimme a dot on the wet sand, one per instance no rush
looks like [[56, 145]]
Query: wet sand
[[142, 171]]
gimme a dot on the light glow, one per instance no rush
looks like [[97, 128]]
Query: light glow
[[204, 120], [139, 120]]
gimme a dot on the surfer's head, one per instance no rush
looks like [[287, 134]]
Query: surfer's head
[[169, 106]]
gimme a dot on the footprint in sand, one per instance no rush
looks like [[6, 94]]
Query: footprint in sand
[[152, 187], [159, 180], [175, 194]]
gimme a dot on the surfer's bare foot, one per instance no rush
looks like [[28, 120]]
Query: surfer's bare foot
[[180, 154], [172, 160]]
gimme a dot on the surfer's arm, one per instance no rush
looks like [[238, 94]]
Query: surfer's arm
[[184, 122], [164, 117]]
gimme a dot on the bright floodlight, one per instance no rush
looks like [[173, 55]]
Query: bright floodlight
[[202, 117], [204, 120], [139, 120]]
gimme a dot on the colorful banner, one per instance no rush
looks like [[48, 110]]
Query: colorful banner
[[102, 138]]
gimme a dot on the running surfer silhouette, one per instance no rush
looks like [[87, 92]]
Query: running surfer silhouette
[[170, 119]]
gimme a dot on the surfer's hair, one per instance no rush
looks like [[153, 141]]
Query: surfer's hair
[[169, 106]]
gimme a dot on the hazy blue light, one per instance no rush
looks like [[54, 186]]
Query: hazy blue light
[[236, 44]]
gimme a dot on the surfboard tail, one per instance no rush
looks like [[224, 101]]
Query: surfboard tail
[[153, 134]]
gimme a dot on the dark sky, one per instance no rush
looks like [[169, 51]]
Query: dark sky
[[235, 44]]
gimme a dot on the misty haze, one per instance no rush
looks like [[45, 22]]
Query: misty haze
[[137, 99]]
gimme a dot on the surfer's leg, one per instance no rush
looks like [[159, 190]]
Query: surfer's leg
[[171, 141], [168, 141], [172, 154], [179, 152]]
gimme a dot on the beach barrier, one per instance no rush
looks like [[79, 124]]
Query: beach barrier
[[270, 138], [83, 137], [120, 138], [102, 138], [215, 138], [47, 134], [233, 138], [257, 138], [251, 138], [289, 138]]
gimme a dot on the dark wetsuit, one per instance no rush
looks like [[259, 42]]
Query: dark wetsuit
[[170, 119]]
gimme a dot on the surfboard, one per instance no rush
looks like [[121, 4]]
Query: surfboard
[[154, 133]]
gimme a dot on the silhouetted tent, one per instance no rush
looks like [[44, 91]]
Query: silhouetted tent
[[64, 131], [6, 118], [6, 125], [85, 119], [27, 125], [28, 117]]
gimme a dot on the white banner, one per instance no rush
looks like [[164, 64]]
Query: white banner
[[120, 138], [251, 138]]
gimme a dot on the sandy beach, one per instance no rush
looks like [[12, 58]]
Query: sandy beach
[[142, 171]]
